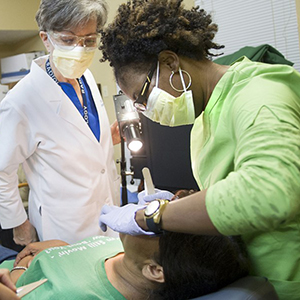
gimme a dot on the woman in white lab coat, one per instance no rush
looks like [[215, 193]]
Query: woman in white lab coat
[[54, 123]]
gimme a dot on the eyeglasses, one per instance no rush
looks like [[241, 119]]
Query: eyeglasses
[[141, 103], [70, 41]]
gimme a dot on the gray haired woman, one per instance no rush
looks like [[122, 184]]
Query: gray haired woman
[[55, 124]]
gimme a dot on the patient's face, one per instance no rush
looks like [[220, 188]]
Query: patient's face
[[140, 246]]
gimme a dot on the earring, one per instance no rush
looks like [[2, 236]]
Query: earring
[[190, 81]]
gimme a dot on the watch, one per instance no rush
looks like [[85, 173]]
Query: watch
[[153, 213]]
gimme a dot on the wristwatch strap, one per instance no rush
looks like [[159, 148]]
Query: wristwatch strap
[[152, 226], [154, 221]]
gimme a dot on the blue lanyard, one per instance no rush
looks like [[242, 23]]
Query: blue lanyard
[[84, 98]]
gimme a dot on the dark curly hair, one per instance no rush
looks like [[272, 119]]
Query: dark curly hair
[[144, 28]]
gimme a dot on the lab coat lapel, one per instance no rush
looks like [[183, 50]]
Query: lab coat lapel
[[69, 112], [57, 99]]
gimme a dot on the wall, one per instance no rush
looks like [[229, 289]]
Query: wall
[[298, 16], [18, 29], [18, 14]]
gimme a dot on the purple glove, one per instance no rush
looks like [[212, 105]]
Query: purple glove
[[122, 219], [159, 194]]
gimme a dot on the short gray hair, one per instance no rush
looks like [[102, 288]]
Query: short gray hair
[[59, 15]]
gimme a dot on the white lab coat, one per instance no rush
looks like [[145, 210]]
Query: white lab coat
[[71, 175]]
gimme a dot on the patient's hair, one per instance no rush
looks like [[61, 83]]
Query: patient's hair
[[197, 265], [144, 28]]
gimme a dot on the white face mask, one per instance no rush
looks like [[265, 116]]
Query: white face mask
[[168, 110], [73, 63]]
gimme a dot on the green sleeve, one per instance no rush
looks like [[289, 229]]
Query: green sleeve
[[7, 264], [263, 191]]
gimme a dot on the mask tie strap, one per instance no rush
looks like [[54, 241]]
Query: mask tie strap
[[157, 75], [182, 79]]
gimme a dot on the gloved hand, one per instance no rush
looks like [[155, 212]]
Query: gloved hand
[[159, 194], [121, 219]]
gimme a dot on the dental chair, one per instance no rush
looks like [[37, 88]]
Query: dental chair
[[247, 288]]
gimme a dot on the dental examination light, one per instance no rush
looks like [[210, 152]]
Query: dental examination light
[[129, 127], [129, 122]]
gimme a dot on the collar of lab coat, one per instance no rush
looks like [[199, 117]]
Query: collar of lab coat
[[51, 92]]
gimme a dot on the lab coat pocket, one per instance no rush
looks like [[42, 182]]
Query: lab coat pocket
[[70, 223]]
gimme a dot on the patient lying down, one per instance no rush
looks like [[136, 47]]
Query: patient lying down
[[172, 266]]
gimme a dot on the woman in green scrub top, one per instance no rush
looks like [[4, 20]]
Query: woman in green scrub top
[[245, 141]]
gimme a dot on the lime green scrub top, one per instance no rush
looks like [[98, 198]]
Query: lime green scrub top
[[245, 150], [74, 272]]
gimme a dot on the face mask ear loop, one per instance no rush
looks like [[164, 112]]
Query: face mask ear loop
[[51, 42], [48, 36], [182, 79], [157, 74]]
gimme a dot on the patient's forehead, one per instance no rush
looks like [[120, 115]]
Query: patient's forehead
[[140, 243]]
